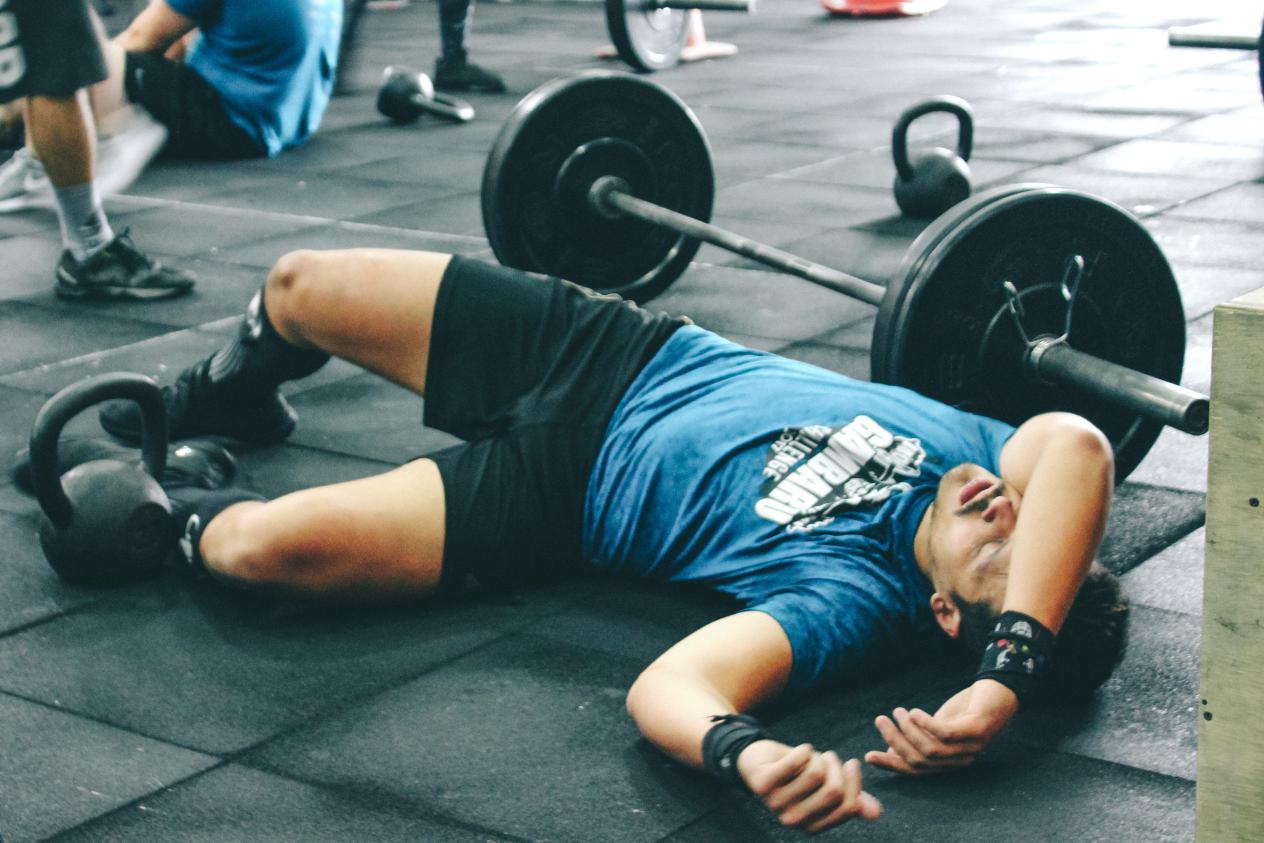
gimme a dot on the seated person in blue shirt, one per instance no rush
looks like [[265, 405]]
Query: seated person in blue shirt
[[255, 81], [856, 523]]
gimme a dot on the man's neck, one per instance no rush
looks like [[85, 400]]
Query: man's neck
[[921, 543]]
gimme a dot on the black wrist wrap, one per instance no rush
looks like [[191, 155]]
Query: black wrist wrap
[[1018, 654], [724, 741]]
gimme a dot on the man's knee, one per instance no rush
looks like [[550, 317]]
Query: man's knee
[[233, 549], [293, 288]]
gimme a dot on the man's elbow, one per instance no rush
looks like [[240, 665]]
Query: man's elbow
[[639, 693], [1079, 438]]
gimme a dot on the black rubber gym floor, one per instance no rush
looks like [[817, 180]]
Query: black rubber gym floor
[[174, 712]]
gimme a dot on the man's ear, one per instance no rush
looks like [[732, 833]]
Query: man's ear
[[947, 615]]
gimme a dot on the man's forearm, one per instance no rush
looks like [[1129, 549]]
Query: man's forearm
[[155, 29], [1063, 516], [673, 711]]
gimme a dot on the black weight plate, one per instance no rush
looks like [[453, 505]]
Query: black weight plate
[[647, 37], [564, 135], [944, 328]]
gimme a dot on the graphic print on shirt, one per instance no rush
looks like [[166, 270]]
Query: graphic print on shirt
[[814, 472]]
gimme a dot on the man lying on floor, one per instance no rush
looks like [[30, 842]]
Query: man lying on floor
[[855, 522]]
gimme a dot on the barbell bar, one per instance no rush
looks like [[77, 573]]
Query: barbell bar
[[610, 196]]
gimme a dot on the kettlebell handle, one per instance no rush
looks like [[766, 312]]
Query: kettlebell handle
[[71, 401], [948, 104]]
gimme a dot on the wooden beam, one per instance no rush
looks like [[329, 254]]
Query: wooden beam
[[1230, 784]]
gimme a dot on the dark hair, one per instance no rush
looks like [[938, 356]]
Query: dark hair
[[1090, 644]]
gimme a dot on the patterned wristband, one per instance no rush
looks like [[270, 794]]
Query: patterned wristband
[[1018, 654]]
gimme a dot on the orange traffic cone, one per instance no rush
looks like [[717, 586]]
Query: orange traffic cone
[[882, 8], [697, 47]]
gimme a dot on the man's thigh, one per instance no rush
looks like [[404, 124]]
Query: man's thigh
[[509, 348], [514, 505], [375, 537], [47, 48]]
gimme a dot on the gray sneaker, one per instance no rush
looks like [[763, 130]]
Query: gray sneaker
[[24, 183], [119, 271], [134, 141]]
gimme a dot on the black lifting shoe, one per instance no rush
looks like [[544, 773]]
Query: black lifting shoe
[[197, 407], [460, 75], [201, 463], [119, 271]]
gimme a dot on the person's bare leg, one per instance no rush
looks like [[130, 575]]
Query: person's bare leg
[[61, 134], [109, 96], [378, 537], [372, 307]]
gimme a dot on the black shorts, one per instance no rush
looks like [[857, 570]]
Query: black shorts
[[197, 123], [48, 48], [528, 369]]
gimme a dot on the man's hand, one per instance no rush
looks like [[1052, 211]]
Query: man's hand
[[918, 744], [806, 789]]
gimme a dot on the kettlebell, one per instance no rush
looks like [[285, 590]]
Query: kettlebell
[[933, 181], [105, 522], [406, 94]]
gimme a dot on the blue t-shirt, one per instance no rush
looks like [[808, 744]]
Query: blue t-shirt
[[794, 489], [272, 62]]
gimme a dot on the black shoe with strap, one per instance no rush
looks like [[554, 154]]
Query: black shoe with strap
[[197, 462], [198, 407], [119, 271], [460, 75]]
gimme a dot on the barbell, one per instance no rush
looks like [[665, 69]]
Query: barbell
[[1021, 300], [650, 34]]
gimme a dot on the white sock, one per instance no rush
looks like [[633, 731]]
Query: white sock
[[84, 228]]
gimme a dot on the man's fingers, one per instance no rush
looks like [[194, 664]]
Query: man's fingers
[[809, 779], [767, 779], [889, 760], [931, 745], [825, 794], [897, 741], [924, 742], [867, 808]]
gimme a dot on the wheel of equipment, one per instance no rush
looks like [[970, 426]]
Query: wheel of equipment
[[535, 184], [945, 327], [645, 35]]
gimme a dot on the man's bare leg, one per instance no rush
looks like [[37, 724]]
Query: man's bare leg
[[372, 307], [378, 537], [60, 131]]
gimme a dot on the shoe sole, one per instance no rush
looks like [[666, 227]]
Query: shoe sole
[[131, 435], [24, 203], [68, 288]]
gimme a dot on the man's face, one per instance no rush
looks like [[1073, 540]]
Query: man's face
[[970, 527]]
